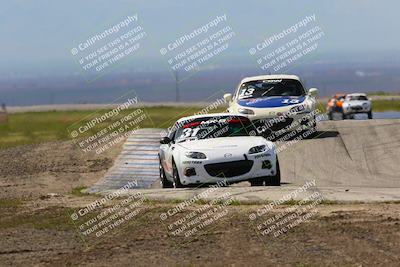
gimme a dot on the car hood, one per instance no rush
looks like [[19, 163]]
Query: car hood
[[227, 144], [272, 102]]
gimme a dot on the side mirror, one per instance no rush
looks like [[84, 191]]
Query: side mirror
[[228, 97], [313, 91], [165, 140]]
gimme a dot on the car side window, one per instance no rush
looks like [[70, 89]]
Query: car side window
[[171, 134]]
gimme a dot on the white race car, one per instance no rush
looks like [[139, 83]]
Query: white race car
[[207, 149], [274, 103], [356, 103]]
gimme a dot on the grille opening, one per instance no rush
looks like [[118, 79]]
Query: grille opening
[[229, 169]]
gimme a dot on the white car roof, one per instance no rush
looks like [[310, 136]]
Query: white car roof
[[270, 77], [356, 94], [210, 115]]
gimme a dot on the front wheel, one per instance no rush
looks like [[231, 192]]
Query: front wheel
[[177, 182], [314, 123], [330, 115], [163, 179], [276, 179]]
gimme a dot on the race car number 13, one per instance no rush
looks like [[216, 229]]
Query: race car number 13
[[248, 92]]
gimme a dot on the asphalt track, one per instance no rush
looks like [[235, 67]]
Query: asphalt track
[[351, 160]]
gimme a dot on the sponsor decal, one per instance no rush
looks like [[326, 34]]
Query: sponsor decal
[[262, 156], [272, 102], [192, 162], [272, 81]]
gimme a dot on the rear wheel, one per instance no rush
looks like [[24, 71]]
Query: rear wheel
[[276, 179], [163, 179], [177, 182], [314, 123], [330, 115]]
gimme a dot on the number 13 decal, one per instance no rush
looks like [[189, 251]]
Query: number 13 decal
[[247, 92]]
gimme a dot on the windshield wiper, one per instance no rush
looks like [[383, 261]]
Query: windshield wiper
[[263, 94]]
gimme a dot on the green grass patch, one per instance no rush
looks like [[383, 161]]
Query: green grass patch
[[56, 218], [377, 106], [235, 202], [77, 191], [39, 127], [10, 203], [385, 105], [382, 93], [291, 202]]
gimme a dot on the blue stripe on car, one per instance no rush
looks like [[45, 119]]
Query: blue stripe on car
[[272, 102]]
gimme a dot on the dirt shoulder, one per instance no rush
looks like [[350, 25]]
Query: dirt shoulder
[[337, 235], [37, 229], [33, 171]]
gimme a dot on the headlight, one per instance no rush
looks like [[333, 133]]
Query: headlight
[[195, 155], [246, 111], [257, 149]]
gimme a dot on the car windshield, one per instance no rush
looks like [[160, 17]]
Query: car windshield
[[267, 88], [214, 127], [357, 97]]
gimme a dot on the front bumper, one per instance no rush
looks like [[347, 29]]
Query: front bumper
[[356, 109], [235, 169]]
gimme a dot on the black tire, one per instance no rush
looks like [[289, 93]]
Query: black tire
[[177, 182], [165, 183], [276, 179], [330, 116], [369, 115], [257, 182], [314, 124], [343, 116]]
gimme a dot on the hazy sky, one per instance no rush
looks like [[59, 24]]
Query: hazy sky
[[39, 34]]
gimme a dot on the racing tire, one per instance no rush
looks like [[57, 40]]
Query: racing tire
[[165, 183], [177, 182], [369, 115], [314, 124], [330, 116], [256, 182], [276, 179]]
